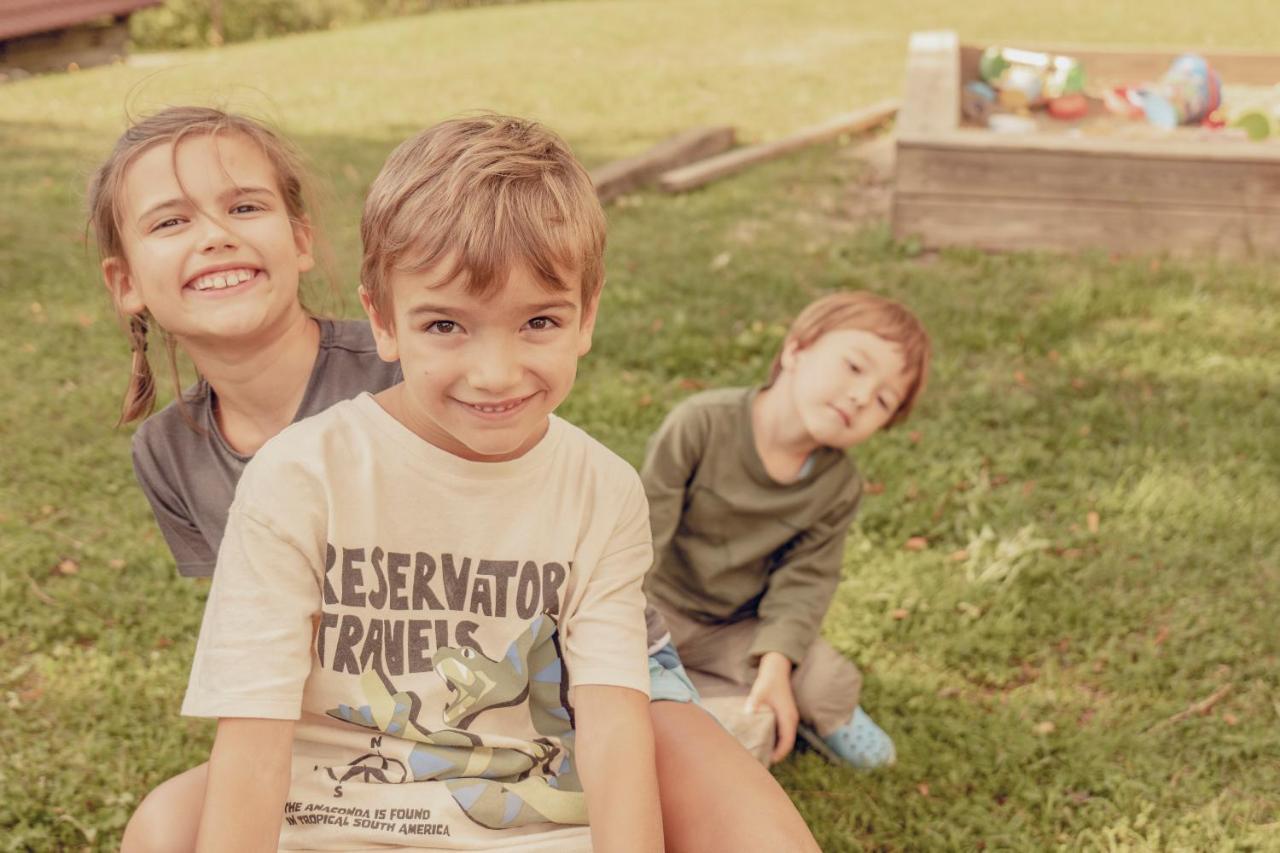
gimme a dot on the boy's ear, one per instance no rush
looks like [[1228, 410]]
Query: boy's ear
[[789, 350], [303, 240], [119, 283], [383, 333], [587, 325]]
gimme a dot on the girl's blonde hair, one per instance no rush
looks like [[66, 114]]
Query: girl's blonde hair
[[866, 312], [170, 127], [486, 193]]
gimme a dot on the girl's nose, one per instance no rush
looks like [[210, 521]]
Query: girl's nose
[[216, 237]]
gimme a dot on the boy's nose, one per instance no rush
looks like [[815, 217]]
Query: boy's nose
[[494, 368], [860, 393]]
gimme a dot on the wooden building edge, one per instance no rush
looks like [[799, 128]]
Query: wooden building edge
[[37, 35]]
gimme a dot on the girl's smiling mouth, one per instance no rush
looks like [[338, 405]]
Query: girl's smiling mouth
[[222, 279]]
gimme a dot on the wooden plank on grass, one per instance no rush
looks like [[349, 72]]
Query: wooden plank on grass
[[698, 174], [614, 179]]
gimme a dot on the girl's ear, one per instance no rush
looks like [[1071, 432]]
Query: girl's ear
[[383, 333], [119, 283], [304, 239]]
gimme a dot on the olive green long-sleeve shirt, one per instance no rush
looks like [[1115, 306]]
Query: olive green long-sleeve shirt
[[732, 543]]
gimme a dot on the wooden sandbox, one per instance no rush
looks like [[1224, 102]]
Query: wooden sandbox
[[1179, 192]]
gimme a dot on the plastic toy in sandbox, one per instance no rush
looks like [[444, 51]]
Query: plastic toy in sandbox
[[1019, 89]]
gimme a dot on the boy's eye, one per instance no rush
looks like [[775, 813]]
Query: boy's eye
[[541, 323], [855, 367], [441, 327]]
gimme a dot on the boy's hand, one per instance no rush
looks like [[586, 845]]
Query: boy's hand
[[772, 689]]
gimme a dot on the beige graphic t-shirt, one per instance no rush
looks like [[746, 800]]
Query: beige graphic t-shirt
[[456, 605]]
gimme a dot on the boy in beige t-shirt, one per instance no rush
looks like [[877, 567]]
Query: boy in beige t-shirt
[[426, 625]]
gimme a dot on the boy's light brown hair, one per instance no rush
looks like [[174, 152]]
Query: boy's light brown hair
[[483, 194], [869, 313]]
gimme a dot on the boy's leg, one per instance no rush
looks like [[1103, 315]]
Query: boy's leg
[[714, 796], [827, 687], [168, 818]]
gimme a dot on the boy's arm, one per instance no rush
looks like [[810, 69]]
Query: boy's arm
[[249, 771], [616, 761], [799, 591], [671, 459]]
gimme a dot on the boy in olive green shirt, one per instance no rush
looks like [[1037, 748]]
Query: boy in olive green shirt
[[751, 495]]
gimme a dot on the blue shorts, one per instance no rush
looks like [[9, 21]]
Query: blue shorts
[[668, 682]]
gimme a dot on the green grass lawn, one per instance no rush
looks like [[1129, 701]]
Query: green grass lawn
[[1095, 467]]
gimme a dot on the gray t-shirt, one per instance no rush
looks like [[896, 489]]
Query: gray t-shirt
[[190, 478]]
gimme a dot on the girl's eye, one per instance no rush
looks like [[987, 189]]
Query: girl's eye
[[246, 207], [442, 327], [541, 323], [855, 367], [167, 223]]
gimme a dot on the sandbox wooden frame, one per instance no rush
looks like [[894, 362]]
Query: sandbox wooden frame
[[968, 186]]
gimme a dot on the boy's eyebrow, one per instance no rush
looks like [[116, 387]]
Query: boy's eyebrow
[[434, 308], [222, 197]]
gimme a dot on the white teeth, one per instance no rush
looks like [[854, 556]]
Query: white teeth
[[223, 280]]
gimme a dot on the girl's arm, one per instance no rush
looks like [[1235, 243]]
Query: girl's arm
[[616, 762], [249, 772]]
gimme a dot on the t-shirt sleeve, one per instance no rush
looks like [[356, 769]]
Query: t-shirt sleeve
[[192, 552], [605, 641], [799, 591], [254, 652]]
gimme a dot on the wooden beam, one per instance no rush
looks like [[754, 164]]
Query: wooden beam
[[621, 176], [698, 174], [931, 94]]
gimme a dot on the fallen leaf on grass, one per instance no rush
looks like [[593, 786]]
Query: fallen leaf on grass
[[959, 556], [692, 384], [721, 261], [1078, 383], [900, 614], [1044, 728], [1230, 719], [656, 325], [916, 543], [923, 788], [1054, 356], [1162, 634], [47, 509], [645, 401], [1093, 521], [1078, 797], [67, 566], [31, 694], [1021, 379], [1028, 487], [116, 563], [86, 320], [1071, 553], [915, 436], [874, 488]]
